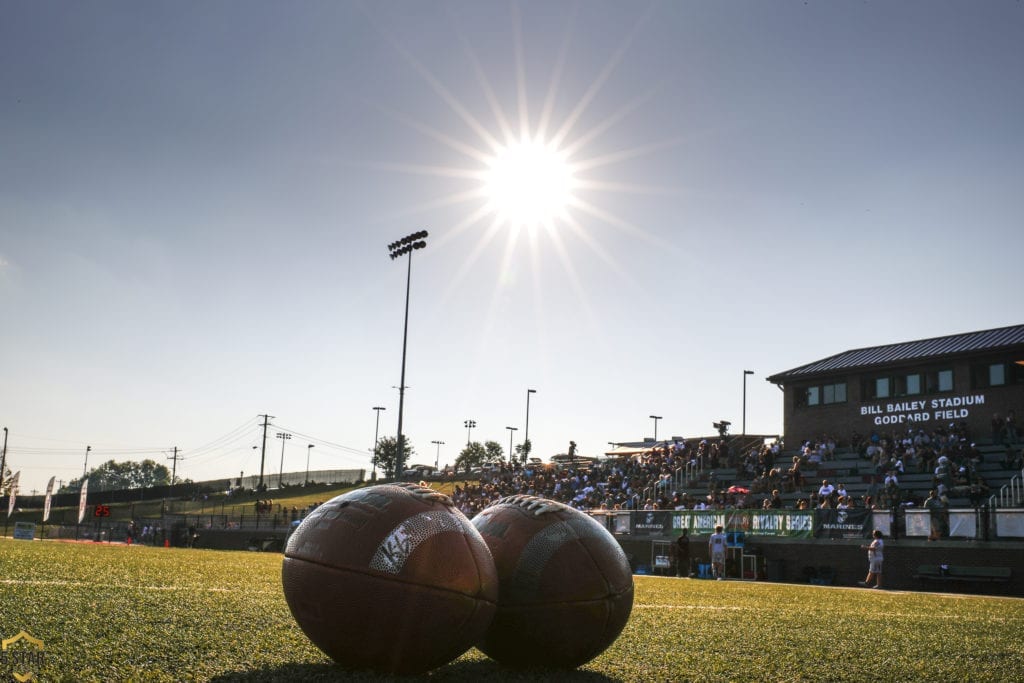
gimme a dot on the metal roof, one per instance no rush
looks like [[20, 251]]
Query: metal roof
[[923, 349]]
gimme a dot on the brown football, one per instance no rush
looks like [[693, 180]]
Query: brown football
[[566, 588], [392, 578]]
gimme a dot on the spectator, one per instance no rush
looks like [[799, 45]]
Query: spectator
[[683, 554], [1010, 429], [826, 489], [997, 428], [795, 475], [874, 561], [1010, 458], [934, 507]]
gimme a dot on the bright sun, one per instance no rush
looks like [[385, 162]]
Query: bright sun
[[528, 183]]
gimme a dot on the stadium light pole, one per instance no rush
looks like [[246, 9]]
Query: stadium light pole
[[655, 418], [376, 433], [526, 432], [511, 433], [3, 460], [85, 467], [469, 424], [309, 448], [406, 245], [284, 439], [437, 460], [745, 373]]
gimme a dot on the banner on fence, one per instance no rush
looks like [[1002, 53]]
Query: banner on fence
[[916, 523], [855, 523], [1010, 523], [652, 523], [963, 523], [788, 523]]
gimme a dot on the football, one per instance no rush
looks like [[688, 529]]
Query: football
[[391, 578], [566, 587]]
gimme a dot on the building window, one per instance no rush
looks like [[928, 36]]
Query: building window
[[822, 395], [882, 387], [940, 381], [913, 384], [834, 393], [1005, 374]]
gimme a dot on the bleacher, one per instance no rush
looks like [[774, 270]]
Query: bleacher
[[859, 477]]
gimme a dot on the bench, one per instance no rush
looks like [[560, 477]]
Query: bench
[[952, 572]]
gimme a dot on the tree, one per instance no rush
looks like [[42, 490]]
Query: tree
[[113, 475], [523, 450], [387, 449], [473, 455], [495, 453]]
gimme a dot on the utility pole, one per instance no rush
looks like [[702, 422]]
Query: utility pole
[[309, 448], [526, 435], [376, 433], [86, 465], [263, 451], [3, 460], [174, 467]]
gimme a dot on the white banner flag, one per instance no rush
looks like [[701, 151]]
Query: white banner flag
[[81, 500], [49, 497], [14, 493]]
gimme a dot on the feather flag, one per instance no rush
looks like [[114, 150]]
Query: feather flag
[[81, 500], [13, 494], [49, 497]]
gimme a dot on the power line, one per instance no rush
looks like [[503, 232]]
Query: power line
[[340, 447]]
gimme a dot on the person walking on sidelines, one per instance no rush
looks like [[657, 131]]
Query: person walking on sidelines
[[716, 545], [874, 561]]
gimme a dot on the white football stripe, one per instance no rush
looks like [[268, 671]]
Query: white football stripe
[[395, 549]]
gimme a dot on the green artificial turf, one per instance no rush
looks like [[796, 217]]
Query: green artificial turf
[[110, 613]]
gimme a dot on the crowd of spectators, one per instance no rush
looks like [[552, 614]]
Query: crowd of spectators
[[666, 476], [643, 481]]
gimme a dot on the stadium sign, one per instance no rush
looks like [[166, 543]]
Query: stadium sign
[[937, 409]]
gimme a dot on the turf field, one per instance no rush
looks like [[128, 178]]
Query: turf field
[[111, 613]]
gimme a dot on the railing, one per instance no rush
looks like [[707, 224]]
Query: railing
[[1017, 490], [983, 523]]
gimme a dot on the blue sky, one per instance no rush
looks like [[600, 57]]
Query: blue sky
[[196, 200]]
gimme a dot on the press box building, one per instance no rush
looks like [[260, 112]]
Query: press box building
[[928, 383]]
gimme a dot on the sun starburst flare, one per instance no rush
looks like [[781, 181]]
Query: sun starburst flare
[[528, 182]]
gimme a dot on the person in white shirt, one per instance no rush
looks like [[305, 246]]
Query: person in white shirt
[[716, 545], [826, 489], [874, 561]]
